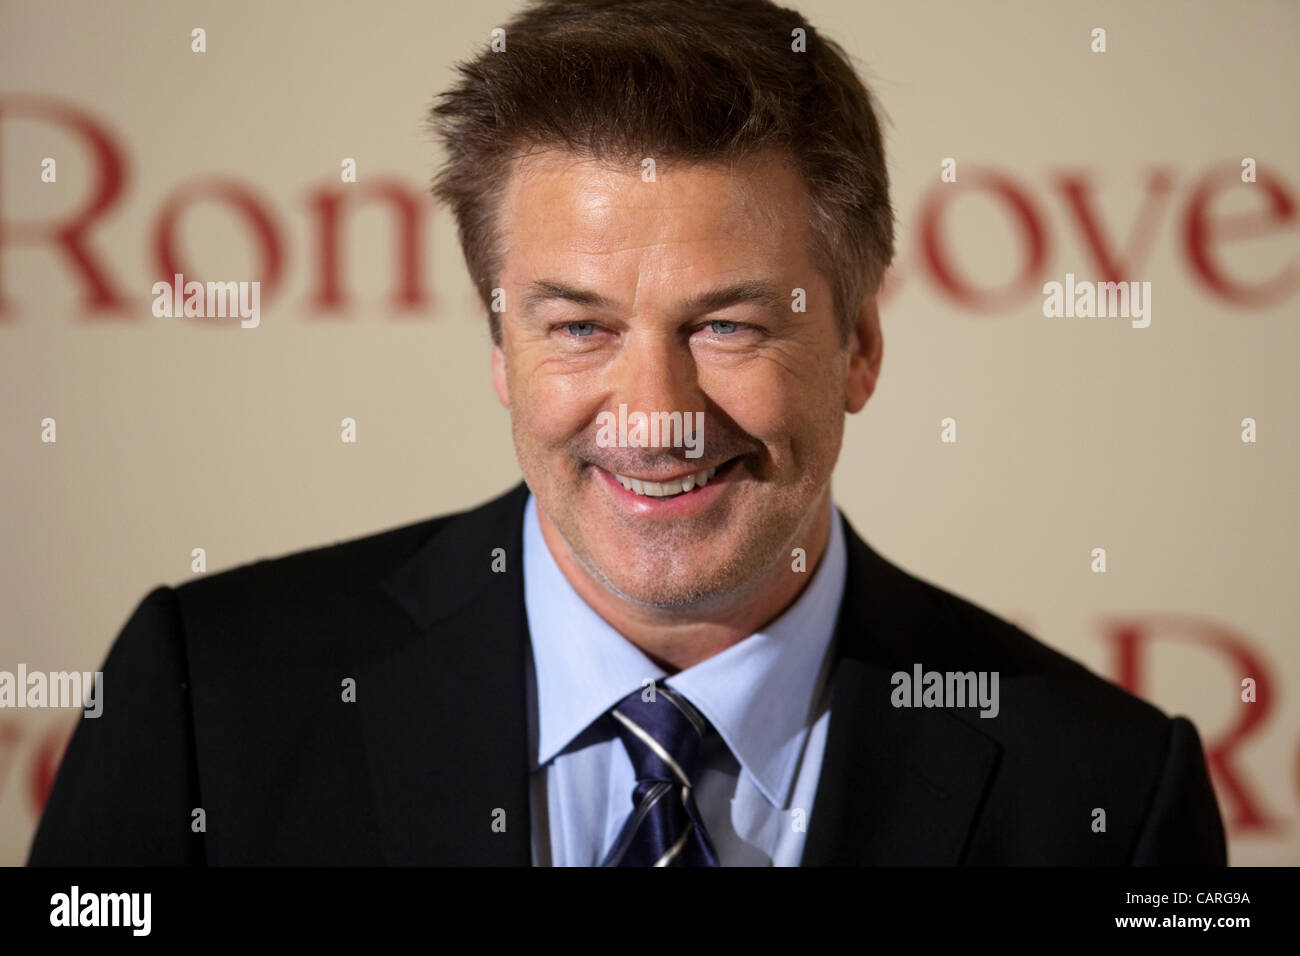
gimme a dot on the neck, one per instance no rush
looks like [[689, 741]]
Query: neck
[[678, 638]]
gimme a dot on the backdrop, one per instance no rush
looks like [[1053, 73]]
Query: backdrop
[[1169, 158]]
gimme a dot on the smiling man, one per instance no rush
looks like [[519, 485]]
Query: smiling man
[[675, 295], [655, 651]]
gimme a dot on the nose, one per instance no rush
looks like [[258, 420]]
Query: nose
[[655, 372]]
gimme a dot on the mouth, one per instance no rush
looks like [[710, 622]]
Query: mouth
[[641, 492], [671, 488]]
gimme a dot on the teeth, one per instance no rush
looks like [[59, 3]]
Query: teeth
[[662, 489]]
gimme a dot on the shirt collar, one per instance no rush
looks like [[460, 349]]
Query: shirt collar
[[760, 693]]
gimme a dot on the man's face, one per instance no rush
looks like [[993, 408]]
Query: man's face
[[607, 282]]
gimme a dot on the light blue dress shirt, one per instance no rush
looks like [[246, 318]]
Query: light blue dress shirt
[[768, 696]]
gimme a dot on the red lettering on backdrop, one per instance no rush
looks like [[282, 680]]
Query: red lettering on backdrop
[[243, 200], [1113, 265], [1200, 231], [1130, 636], [409, 207], [46, 760], [70, 235], [938, 260]]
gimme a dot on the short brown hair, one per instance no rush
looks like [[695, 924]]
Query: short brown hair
[[679, 80]]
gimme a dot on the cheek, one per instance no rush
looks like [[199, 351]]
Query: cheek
[[549, 409], [776, 406]]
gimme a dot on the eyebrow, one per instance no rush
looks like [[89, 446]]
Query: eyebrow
[[543, 290], [760, 293]]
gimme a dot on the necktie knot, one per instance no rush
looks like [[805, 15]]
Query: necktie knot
[[662, 733]]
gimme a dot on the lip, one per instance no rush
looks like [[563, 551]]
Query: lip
[[682, 506]]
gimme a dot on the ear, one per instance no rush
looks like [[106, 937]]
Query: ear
[[866, 349], [499, 380]]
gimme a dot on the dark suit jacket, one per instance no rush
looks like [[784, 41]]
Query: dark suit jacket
[[226, 694]]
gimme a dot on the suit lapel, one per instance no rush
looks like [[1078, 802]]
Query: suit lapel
[[443, 705], [898, 786]]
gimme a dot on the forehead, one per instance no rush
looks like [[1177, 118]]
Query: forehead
[[562, 209]]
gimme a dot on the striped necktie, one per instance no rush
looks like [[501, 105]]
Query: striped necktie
[[662, 737]]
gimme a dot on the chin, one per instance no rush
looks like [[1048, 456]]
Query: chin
[[701, 585]]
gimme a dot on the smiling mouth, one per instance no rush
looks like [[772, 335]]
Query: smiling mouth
[[674, 488]]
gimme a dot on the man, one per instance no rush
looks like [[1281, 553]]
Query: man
[[667, 647]]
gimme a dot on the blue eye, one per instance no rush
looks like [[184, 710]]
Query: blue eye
[[723, 327], [581, 329]]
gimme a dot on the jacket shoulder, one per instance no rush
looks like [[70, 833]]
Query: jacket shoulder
[[317, 605], [1069, 743], [970, 637]]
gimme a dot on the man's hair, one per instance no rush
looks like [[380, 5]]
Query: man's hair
[[691, 81]]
